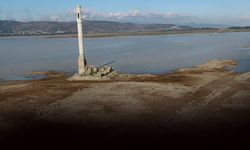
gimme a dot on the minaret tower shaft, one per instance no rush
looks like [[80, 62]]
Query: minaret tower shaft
[[81, 60]]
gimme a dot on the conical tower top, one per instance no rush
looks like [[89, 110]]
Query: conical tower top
[[79, 12]]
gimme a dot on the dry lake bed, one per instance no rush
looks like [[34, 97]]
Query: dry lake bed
[[204, 105]]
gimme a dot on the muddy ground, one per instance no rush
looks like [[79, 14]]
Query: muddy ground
[[206, 105]]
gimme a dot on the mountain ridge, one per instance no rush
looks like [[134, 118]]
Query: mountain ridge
[[8, 27]]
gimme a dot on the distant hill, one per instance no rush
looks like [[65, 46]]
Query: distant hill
[[204, 25], [45, 27], [247, 27]]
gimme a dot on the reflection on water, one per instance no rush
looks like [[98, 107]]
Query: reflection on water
[[142, 54]]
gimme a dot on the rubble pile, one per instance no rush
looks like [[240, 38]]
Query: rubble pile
[[95, 73]]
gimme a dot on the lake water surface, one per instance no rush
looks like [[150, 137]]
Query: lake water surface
[[138, 54]]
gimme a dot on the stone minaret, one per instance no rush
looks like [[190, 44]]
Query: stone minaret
[[81, 61]]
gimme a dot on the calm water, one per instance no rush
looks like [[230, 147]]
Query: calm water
[[149, 54]]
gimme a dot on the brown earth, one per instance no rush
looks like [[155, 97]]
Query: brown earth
[[207, 104]]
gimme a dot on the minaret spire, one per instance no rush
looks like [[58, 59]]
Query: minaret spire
[[81, 60], [88, 72]]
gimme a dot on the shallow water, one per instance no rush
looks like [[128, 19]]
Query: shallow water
[[138, 54]]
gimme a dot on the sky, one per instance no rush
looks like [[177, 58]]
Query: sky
[[228, 12]]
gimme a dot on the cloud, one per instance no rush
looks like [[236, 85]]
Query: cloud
[[7, 15], [233, 21], [247, 18], [130, 16], [133, 16], [120, 16], [68, 15]]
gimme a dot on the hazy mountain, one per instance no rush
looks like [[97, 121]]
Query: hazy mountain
[[45, 27], [206, 25]]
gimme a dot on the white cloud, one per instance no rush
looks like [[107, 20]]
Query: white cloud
[[120, 15], [134, 16], [247, 18]]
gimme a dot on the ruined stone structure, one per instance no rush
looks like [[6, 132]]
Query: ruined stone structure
[[86, 72]]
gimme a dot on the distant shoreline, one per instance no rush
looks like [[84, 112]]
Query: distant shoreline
[[104, 35]]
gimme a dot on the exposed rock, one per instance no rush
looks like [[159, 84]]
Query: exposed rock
[[218, 64], [243, 78], [213, 65], [95, 73]]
